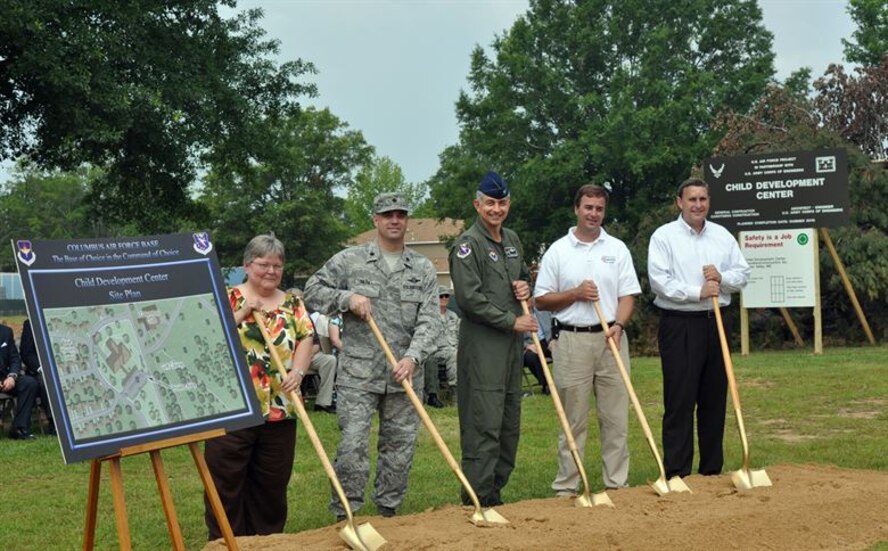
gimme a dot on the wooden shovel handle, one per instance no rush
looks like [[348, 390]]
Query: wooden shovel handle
[[304, 417], [423, 414]]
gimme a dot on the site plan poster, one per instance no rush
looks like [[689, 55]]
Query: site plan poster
[[136, 340]]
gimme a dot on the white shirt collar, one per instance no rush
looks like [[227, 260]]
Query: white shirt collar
[[577, 243]]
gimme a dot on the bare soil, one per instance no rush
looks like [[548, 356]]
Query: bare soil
[[809, 507]]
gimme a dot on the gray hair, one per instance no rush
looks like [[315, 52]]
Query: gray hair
[[479, 196], [265, 244]]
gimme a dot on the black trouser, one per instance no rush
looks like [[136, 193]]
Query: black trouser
[[532, 362], [693, 377], [251, 468], [25, 392]]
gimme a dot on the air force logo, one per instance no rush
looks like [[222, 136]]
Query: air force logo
[[511, 252], [463, 250], [202, 243], [717, 172], [25, 254]]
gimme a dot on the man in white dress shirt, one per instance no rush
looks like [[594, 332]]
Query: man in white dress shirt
[[691, 260]]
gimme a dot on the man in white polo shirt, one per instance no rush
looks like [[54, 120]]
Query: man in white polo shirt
[[584, 266]]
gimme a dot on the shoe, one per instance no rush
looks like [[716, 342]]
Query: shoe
[[326, 409], [21, 434], [340, 517], [387, 512], [434, 401]]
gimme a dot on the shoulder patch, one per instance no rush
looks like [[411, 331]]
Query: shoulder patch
[[463, 250]]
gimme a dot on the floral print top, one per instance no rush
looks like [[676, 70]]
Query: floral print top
[[287, 325]]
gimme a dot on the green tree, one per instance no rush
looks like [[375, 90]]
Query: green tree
[[870, 44], [45, 205], [856, 107], [381, 175], [143, 89], [292, 188], [621, 93]]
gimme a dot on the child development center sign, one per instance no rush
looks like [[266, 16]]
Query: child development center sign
[[136, 340], [801, 189], [782, 265]]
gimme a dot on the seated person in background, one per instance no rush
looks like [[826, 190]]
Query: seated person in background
[[531, 358], [322, 363], [31, 365], [335, 334], [445, 354], [15, 383]]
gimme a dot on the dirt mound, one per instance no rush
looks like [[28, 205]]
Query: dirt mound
[[809, 507]]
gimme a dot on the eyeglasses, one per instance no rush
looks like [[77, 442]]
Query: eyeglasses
[[266, 267]]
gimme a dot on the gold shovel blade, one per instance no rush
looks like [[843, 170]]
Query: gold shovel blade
[[660, 486], [487, 518], [595, 500], [362, 537], [748, 479], [676, 484]]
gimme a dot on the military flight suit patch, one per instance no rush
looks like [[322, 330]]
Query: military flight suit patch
[[492, 254], [463, 250], [511, 252]]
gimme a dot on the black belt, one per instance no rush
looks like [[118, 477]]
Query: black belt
[[686, 313], [586, 329]]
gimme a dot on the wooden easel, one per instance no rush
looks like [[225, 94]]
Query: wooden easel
[[153, 448]]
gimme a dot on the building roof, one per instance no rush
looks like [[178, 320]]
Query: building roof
[[421, 230]]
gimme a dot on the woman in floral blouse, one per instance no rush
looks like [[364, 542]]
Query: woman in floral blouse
[[251, 467]]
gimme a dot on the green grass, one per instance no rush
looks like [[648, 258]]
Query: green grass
[[798, 408]]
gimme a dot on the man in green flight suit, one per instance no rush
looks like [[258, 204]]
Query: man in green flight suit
[[490, 279]]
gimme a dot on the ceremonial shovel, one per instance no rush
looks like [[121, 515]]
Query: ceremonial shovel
[[479, 517], [363, 537], [584, 500], [661, 485], [744, 479]]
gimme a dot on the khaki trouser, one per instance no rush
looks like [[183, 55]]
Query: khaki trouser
[[584, 365]]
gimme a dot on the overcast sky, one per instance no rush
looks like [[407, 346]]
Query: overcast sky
[[394, 68]]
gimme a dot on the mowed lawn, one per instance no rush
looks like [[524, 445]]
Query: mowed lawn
[[798, 408]]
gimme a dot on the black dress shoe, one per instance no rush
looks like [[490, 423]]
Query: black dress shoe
[[21, 434], [434, 401], [387, 512], [326, 409]]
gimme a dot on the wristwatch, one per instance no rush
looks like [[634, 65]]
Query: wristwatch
[[14, 376], [413, 358]]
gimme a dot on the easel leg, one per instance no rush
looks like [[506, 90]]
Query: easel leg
[[123, 533], [166, 497], [92, 504], [213, 496]]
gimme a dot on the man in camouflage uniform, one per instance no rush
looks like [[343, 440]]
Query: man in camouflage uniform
[[490, 279], [398, 287], [448, 338]]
